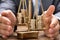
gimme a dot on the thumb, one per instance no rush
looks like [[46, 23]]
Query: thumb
[[50, 11], [47, 15]]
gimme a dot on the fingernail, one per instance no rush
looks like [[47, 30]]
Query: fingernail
[[9, 28]]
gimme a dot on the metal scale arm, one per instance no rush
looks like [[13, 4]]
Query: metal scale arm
[[21, 16]]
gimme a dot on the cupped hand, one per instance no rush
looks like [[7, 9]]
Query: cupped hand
[[50, 22], [7, 23]]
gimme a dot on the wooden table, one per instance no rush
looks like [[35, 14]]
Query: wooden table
[[40, 37]]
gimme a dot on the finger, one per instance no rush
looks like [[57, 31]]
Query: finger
[[50, 11], [5, 27], [10, 32], [5, 20], [56, 29], [4, 32], [9, 14], [51, 31], [54, 22], [5, 35], [53, 35], [50, 35]]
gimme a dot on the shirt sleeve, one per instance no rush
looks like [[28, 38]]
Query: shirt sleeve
[[7, 5], [57, 11]]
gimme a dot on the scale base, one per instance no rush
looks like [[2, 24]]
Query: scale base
[[28, 35]]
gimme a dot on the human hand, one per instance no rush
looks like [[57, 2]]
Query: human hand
[[8, 20], [50, 22]]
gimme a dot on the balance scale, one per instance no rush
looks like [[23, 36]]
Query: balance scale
[[28, 27]]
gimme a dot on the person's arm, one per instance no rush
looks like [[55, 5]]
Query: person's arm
[[7, 5], [7, 11]]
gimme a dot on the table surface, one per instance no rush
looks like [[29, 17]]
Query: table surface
[[40, 37]]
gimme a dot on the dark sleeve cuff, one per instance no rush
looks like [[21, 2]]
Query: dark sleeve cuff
[[2, 10], [58, 15]]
